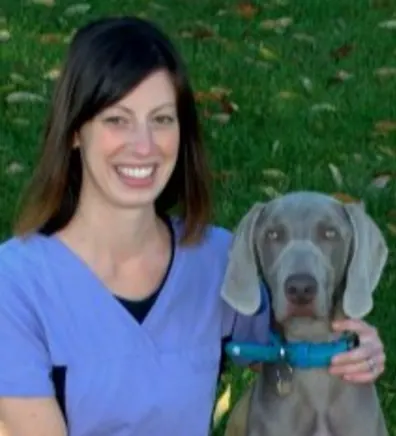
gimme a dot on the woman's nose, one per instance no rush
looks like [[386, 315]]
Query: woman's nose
[[142, 141]]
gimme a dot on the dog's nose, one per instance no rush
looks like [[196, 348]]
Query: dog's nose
[[301, 288]]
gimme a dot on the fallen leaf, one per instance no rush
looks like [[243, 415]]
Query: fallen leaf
[[51, 38], [389, 24], [392, 228], [307, 83], [77, 9], [229, 107], [52, 74], [381, 180], [336, 174], [44, 2], [387, 151], [222, 118], [14, 168], [339, 77], [4, 35], [385, 126], [21, 121], [304, 37], [341, 52], [279, 24], [275, 147], [288, 95], [22, 96], [200, 31], [385, 72], [214, 94], [270, 191], [18, 78], [157, 6], [222, 405], [246, 10], [266, 53], [345, 198], [323, 107], [274, 173]]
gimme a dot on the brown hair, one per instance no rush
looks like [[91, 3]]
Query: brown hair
[[106, 59]]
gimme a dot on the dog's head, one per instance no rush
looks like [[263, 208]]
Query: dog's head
[[309, 249]]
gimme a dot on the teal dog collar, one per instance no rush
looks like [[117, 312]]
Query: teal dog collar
[[303, 355]]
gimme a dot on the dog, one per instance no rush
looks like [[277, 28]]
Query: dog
[[321, 261]]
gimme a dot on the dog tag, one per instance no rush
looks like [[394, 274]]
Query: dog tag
[[284, 376]]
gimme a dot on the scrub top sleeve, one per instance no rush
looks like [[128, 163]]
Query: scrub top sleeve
[[25, 368], [242, 328]]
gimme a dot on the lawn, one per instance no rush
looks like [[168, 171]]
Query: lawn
[[293, 94]]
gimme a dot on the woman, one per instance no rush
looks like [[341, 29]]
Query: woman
[[110, 310]]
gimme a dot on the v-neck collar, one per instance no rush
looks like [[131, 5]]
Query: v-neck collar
[[99, 289]]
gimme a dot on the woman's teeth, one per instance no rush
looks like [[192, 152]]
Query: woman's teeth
[[136, 172]]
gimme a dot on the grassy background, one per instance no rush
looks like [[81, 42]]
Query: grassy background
[[304, 102]]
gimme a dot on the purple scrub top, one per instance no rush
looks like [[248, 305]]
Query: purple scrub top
[[121, 377]]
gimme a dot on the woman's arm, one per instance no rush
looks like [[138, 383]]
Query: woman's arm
[[31, 416], [27, 398]]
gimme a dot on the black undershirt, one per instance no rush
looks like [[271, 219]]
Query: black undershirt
[[139, 309]]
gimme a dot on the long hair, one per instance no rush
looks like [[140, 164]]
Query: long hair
[[106, 59]]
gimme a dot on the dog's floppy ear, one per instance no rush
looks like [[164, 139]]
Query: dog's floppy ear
[[241, 286], [369, 255]]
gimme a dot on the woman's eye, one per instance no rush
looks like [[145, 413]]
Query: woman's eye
[[164, 119], [116, 121]]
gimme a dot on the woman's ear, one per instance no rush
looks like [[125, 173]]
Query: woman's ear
[[76, 140]]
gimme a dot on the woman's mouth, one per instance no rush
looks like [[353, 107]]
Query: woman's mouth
[[139, 176]]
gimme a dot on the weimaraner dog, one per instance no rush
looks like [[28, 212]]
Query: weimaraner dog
[[321, 260]]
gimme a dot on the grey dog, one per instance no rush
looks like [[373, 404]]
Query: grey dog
[[321, 260]]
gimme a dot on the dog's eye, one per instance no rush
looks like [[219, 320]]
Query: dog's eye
[[330, 233], [272, 235]]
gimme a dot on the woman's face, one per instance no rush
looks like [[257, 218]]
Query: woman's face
[[129, 150]]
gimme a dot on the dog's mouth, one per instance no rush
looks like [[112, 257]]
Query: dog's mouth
[[301, 311]]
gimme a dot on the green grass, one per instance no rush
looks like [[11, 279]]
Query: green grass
[[275, 125]]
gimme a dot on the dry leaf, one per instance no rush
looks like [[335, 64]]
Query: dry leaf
[[304, 37], [336, 174], [345, 198], [158, 7], [389, 24], [267, 54], [384, 72], [77, 9], [307, 83], [52, 74], [222, 405], [20, 122], [381, 180], [387, 151], [222, 118], [51, 38], [279, 24], [270, 191], [385, 126], [4, 35], [274, 173], [22, 96], [14, 168], [392, 228], [246, 10], [341, 52], [323, 107], [288, 95], [275, 147], [44, 2]]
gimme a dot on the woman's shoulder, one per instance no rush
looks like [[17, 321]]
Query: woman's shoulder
[[21, 257]]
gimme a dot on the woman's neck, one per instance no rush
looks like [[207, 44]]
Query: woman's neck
[[118, 234]]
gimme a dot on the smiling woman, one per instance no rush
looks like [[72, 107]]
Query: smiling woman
[[110, 310]]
